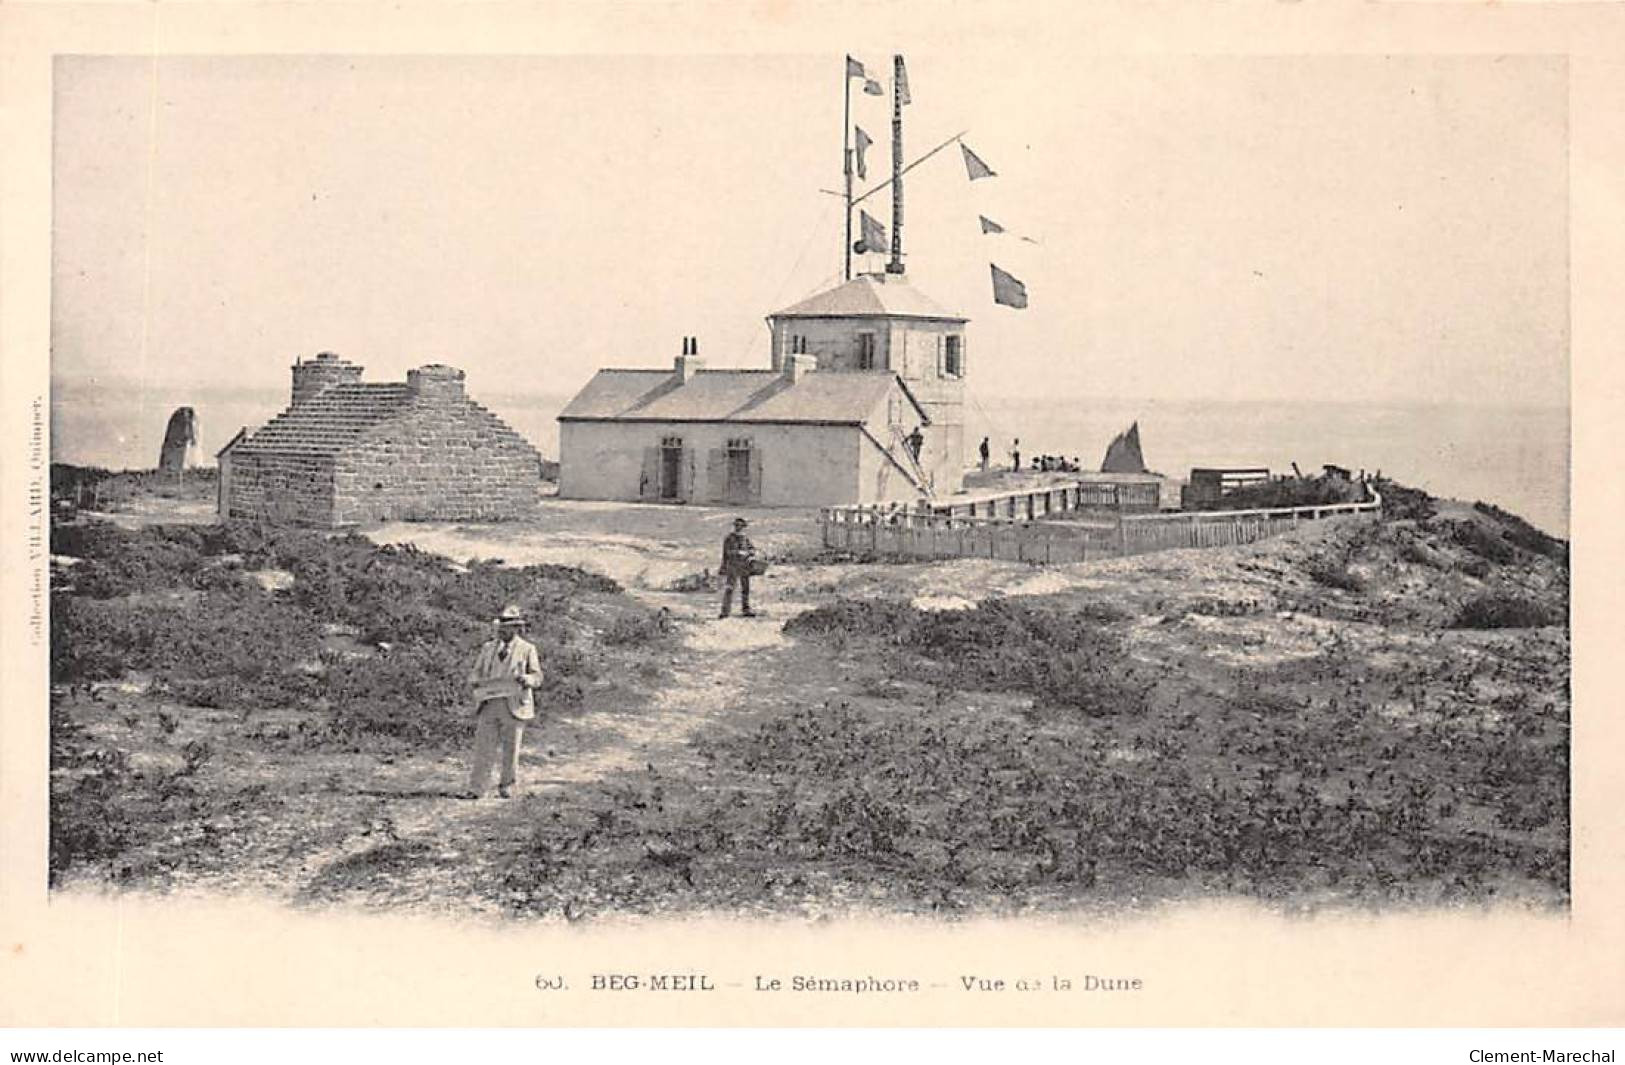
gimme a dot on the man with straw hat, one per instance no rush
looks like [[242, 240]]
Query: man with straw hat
[[506, 672]]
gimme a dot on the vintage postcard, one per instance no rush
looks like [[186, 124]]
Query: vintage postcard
[[791, 514]]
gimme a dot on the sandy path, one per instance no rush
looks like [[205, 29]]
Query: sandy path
[[458, 844]]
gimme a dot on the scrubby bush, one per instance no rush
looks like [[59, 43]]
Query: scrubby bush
[[876, 619], [637, 630], [1502, 611], [416, 693], [703, 581], [1066, 656], [1331, 574], [1421, 555], [228, 643], [1291, 492], [1402, 503], [1482, 541], [1518, 531]]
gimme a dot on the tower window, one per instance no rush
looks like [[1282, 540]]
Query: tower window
[[866, 351], [953, 359]]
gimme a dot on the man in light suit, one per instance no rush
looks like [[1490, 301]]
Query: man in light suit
[[506, 672]]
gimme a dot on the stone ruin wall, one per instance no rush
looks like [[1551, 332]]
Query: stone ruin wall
[[455, 461]]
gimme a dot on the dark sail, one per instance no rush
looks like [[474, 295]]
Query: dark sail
[[1123, 456]]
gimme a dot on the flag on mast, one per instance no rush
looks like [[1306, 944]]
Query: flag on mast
[[854, 69], [874, 234], [974, 165], [873, 87], [863, 142], [902, 83], [1007, 290], [988, 225]]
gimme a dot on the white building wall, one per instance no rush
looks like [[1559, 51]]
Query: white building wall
[[915, 350], [880, 480], [833, 340], [801, 465]]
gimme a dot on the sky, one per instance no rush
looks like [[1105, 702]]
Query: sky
[[1336, 228]]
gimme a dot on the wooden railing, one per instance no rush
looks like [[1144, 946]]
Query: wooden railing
[[921, 534], [1044, 500]]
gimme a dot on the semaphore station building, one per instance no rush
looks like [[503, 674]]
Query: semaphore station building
[[863, 403]]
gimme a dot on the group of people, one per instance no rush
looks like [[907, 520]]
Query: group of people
[[1040, 463], [507, 671]]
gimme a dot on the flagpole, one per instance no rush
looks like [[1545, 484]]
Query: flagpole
[[896, 264], [846, 166], [911, 166]]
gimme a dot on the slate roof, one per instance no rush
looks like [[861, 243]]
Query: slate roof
[[870, 296], [331, 420], [826, 398]]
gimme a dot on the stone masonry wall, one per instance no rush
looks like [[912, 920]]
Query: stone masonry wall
[[446, 459], [281, 488]]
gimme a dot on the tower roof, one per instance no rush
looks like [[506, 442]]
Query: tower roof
[[870, 296]]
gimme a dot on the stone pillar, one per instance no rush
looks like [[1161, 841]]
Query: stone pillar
[[316, 376], [436, 384]]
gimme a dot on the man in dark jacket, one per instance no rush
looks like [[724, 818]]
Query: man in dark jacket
[[738, 554]]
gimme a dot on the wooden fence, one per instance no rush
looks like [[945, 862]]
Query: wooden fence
[[1040, 501], [918, 534]]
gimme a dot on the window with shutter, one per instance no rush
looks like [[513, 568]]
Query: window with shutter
[[739, 470]]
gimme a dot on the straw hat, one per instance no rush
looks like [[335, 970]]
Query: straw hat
[[511, 615]]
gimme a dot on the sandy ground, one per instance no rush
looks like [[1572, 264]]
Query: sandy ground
[[330, 812]]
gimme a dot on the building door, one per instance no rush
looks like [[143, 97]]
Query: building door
[[671, 467], [738, 488]]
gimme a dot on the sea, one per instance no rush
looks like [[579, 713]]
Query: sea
[[1515, 457]]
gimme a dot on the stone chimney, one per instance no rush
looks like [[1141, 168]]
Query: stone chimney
[[321, 373], [798, 366], [688, 363], [436, 383]]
